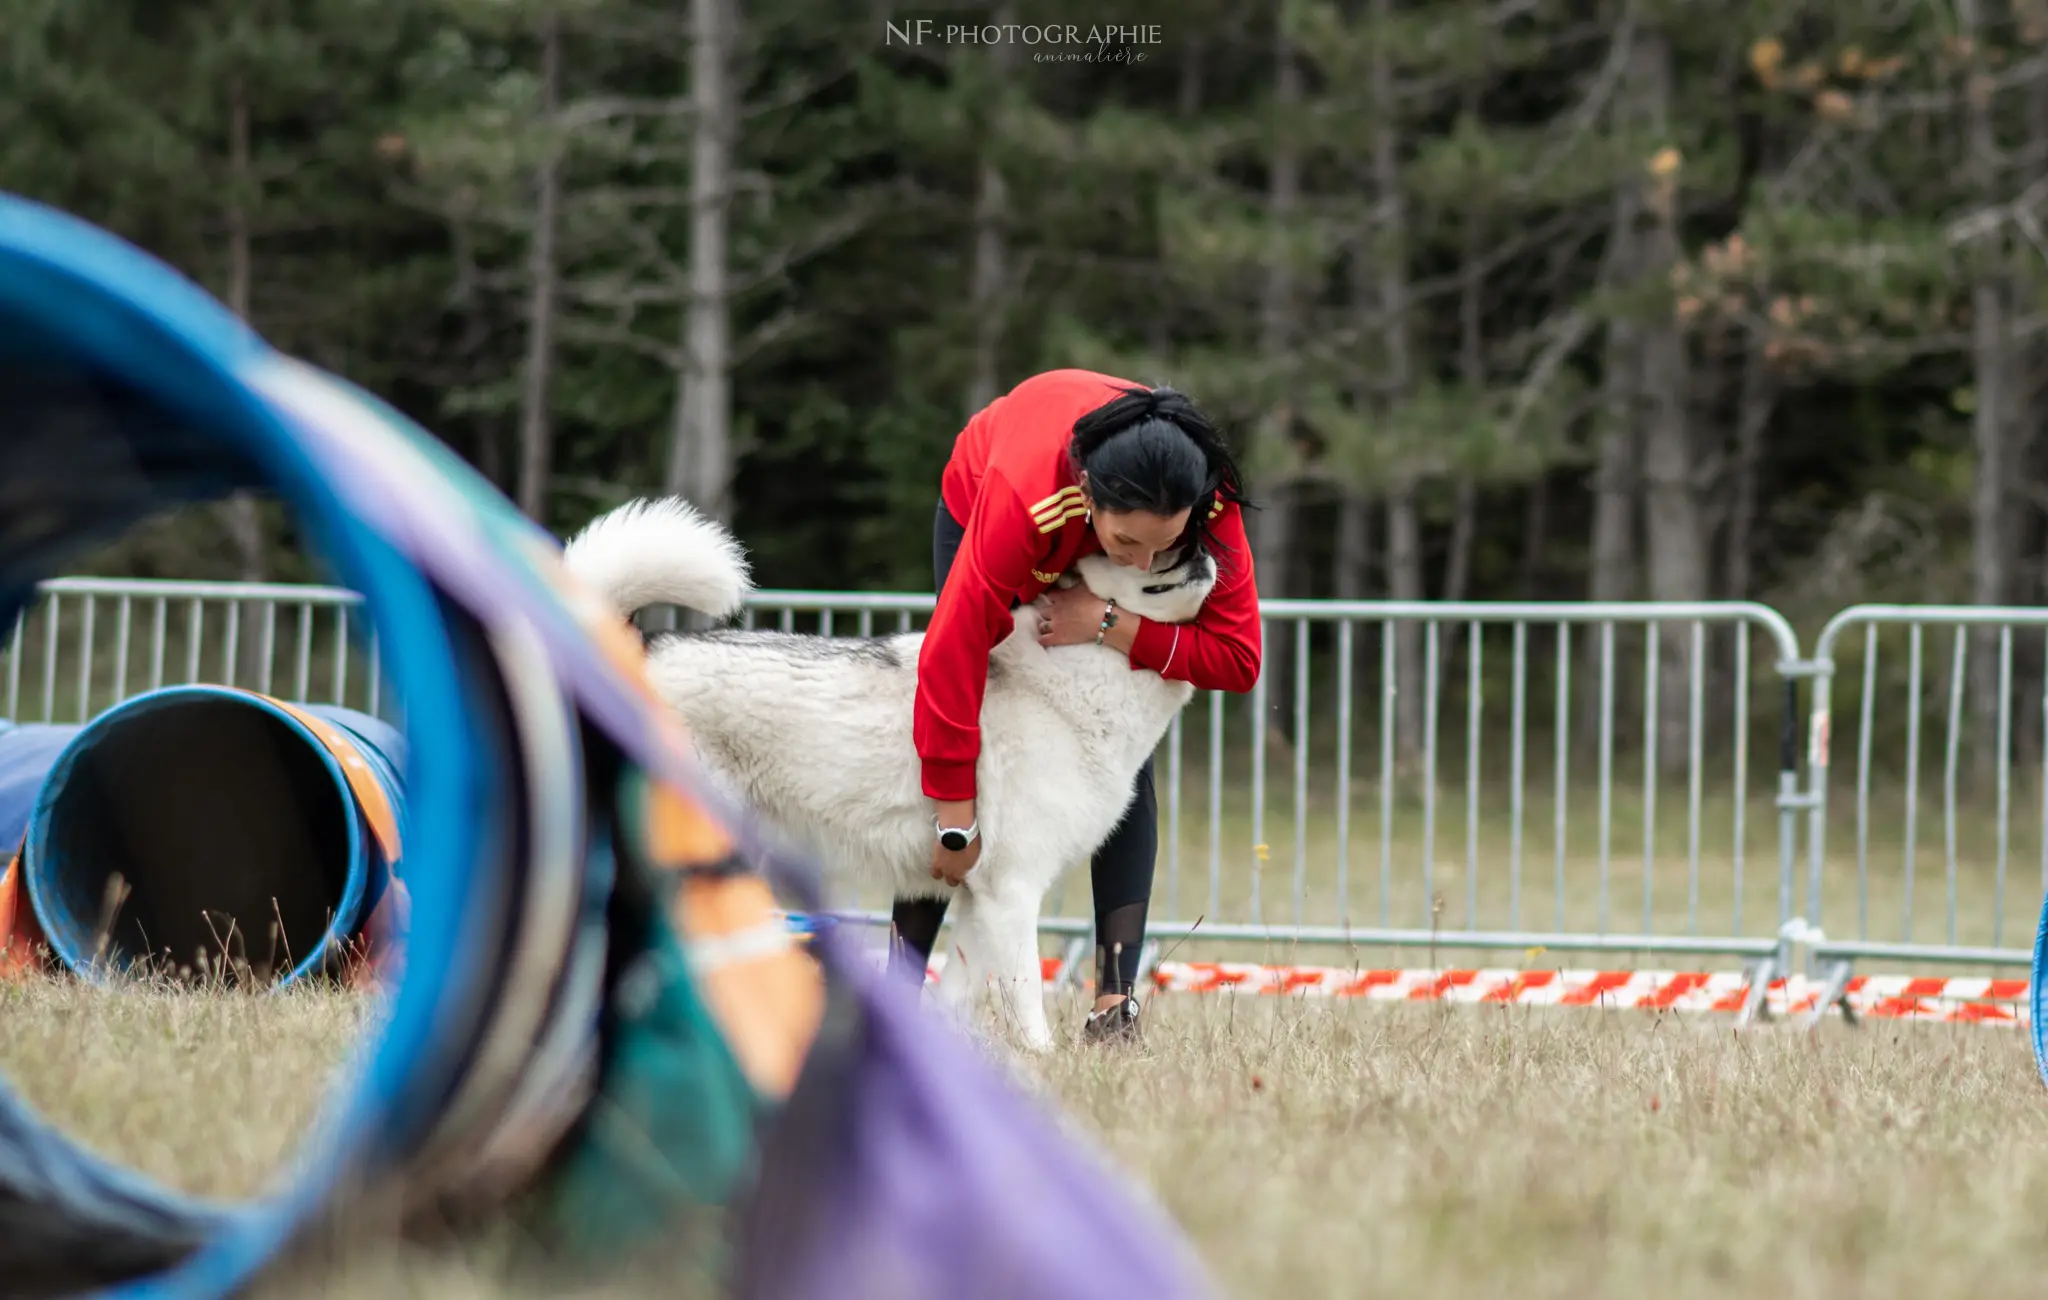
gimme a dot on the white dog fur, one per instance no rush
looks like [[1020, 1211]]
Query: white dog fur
[[815, 734]]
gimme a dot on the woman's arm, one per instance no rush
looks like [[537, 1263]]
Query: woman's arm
[[973, 615], [1220, 650]]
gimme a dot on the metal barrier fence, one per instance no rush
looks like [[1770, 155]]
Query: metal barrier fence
[[1874, 913], [1540, 865], [1467, 778], [308, 643]]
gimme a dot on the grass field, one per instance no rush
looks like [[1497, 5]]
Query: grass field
[[1309, 1149]]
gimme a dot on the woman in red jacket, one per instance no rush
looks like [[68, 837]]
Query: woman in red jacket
[[1071, 463]]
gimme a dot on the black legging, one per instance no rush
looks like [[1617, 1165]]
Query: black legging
[[1121, 871]]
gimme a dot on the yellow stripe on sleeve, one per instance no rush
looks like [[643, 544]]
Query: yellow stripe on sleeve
[[1060, 521], [1056, 504]]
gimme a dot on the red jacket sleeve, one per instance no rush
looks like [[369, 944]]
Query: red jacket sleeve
[[1220, 650], [972, 617]]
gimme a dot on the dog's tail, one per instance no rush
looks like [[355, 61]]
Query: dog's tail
[[660, 552]]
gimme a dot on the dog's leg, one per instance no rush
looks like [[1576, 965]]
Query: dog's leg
[[1002, 937], [963, 964]]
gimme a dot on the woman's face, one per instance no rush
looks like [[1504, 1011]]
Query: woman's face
[[1136, 537]]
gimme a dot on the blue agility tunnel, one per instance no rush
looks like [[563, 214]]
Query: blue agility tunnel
[[601, 1022], [27, 753], [209, 831]]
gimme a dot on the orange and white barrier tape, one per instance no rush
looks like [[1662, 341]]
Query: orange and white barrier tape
[[1880, 997], [1886, 997]]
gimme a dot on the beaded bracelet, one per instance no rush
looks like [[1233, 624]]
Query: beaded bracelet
[[1108, 621]]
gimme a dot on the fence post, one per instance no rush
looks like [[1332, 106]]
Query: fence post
[[1789, 803], [1837, 971], [1817, 762]]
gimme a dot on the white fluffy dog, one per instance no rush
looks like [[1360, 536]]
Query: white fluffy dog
[[815, 733]]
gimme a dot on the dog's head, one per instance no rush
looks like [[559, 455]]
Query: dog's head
[[1171, 592]]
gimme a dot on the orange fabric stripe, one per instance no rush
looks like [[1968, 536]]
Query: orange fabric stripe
[[679, 833], [20, 933], [370, 796]]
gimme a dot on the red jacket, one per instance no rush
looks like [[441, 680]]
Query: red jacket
[[1016, 494]]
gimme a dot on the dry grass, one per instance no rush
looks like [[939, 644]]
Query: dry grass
[[1311, 1149], [1341, 1150], [206, 1092]]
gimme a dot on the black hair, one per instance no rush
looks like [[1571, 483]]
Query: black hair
[[1152, 449]]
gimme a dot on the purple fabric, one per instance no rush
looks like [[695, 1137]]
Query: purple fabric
[[907, 1169]]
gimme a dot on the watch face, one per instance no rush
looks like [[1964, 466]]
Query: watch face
[[953, 840]]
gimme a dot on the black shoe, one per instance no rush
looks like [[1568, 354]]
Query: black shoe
[[1114, 1024]]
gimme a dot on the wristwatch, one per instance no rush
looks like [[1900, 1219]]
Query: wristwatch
[[952, 839]]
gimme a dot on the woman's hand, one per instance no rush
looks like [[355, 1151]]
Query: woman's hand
[[947, 865], [1073, 616]]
